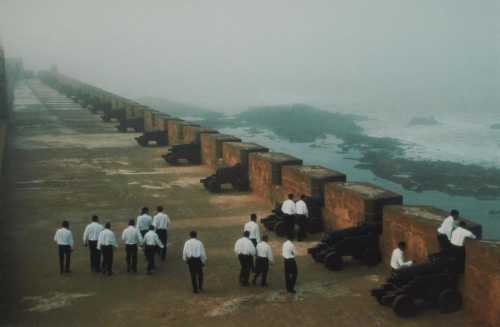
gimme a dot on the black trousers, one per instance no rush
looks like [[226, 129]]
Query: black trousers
[[64, 258], [107, 259], [290, 224], [301, 221], [458, 253], [444, 242], [261, 268], [196, 270], [150, 251], [246, 265], [95, 256], [291, 273], [131, 251], [163, 236]]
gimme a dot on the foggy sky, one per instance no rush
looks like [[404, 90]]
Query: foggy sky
[[370, 55]]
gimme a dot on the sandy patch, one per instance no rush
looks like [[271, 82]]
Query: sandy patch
[[182, 183], [53, 301], [72, 140], [236, 200]]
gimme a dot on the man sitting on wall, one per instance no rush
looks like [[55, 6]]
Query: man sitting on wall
[[445, 230], [398, 257]]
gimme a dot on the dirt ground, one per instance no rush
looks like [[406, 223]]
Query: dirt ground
[[64, 163]]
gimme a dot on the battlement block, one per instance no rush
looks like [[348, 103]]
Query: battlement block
[[237, 152], [211, 147], [174, 130], [192, 133]]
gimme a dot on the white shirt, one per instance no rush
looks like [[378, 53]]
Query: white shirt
[[459, 235], [264, 251], [244, 246], [161, 221], [288, 207], [131, 236], [288, 250], [92, 231], [144, 221], [106, 237], [64, 236], [301, 208], [398, 259], [253, 228], [447, 226], [151, 238], [193, 248]]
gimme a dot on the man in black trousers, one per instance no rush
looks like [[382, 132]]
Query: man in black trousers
[[245, 250], [64, 241], [291, 271], [106, 244], [151, 244], [195, 256], [90, 236], [132, 239]]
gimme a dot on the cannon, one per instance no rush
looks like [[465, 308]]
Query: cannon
[[108, 114], [234, 175], [432, 284], [276, 220], [160, 137], [190, 152], [361, 243], [137, 124]]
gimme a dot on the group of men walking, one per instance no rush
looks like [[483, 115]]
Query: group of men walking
[[150, 233], [451, 236], [251, 246]]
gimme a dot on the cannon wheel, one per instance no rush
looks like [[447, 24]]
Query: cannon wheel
[[404, 306], [280, 228], [449, 301], [213, 186], [334, 261], [370, 257], [387, 299]]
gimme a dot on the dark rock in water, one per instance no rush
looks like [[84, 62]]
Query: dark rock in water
[[495, 126], [494, 212], [423, 121]]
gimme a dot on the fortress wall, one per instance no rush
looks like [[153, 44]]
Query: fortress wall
[[192, 133], [174, 131], [238, 153], [211, 147]]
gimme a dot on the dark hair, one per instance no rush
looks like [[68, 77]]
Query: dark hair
[[253, 217], [246, 233], [151, 227], [65, 224], [193, 234], [290, 196], [159, 208], [145, 210], [303, 196], [95, 218], [402, 245], [108, 225], [290, 236], [131, 222], [265, 238], [462, 223], [454, 213]]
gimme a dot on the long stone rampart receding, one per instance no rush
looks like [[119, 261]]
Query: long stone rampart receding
[[192, 133], [417, 226], [482, 281], [211, 147], [354, 203], [265, 173]]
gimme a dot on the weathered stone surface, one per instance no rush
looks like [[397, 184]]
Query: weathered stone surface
[[3, 144], [237, 152], [265, 173], [350, 204], [482, 281], [192, 133], [148, 120], [211, 147], [416, 225], [174, 131], [134, 111], [308, 180], [159, 121]]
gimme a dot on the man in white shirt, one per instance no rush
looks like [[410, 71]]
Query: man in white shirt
[[161, 222], [446, 229], [245, 250], [264, 256], [302, 215], [457, 245], [289, 210], [132, 239], [106, 244], [144, 220], [90, 236], [291, 271], [195, 256], [252, 227], [151, 244], [398, 257], [65, 243]]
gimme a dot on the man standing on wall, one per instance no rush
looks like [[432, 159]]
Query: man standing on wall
[[106, 244], [446, 229], [132, 239], [195, 256], [289, 210], [161, 222], [291, 271], [302, 215], [90, 236], [64, 241], [245, 250]]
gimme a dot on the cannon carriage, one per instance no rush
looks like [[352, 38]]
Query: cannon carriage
[[360, 243], [314, 224], [160, 137], [190, 152], [432, 284], [137, 124], [235, 175]]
